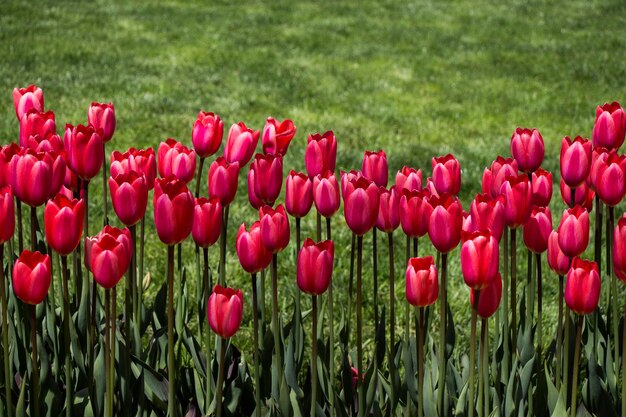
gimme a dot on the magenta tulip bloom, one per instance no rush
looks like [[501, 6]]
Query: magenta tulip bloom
[[422, 283], [173, 210], [223, 180], [619, 248], [298, 194], [558, 261], [537, 229], [254, 199], [487, 212], [610, 178], [610, 126], [51, 142], [63, 219], [360, 205], [207, 221], [102, 116], [6, 154], [516, 191], [583, 195], [36, 176], [409, 179], [575, 160], [315, 266], [207, 133], [274, 228], [36, 123], [253, 255], [415, 212], [109, 258], [122, 236], [240, 144], [528, 149], [27, 99], [346, 177], [375, 167], [598, 158], [129, 195], [225, 311], [320, 154], [480, 256], [7, 214], [446, 174], [541, 193], [141, 161], [85, 151], [268, 177], [277, 136], [574, 231], [499, 171], [489, 299], [582, 287], [326, 194], [176, 159], [388, 218], [446, 221], [32, 274]]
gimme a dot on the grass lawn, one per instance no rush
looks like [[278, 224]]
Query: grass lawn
[[418, 79]]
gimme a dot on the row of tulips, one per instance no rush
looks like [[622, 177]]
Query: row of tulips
[[397, 378]]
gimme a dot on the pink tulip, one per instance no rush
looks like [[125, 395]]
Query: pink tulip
[[574, 231], [487, 212], [223, 180], [63, 219], [36, 123], [274, 228], [252, 253], [499, 171], [207, 133], [27, 99], [36, 176], [516, 191], [129, 195], [489, 299], [610, 178], [240, 144], [528, 149], [32, 274], [326, 194], [583, 195], [102, 116], [176, 159], [298, 194], [446, 174], [388, 218], [541, 193], [141, 161], [575, 160], [51, 142], [558, 261], [85, 151], [360, 205], [207, 221], [277, 136], [422, 283], [445, 223], [7, 214], [537, 229], [582, 287], [320, 154], [480, 256], [173, 210], [122, 236], [225, 311], [315, 266], [110, 257], [268, 176], [346, 177], [415, 212], [610, 126], [409, 179], [375, 167], [619, 248]]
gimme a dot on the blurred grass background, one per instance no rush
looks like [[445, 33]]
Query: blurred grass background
[[417, 79]]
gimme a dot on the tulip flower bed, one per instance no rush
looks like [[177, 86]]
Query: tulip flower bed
[[79, 337]]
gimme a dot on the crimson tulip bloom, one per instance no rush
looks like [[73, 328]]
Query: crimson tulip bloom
[[446, 174], [347, 177], [63, 219], [360, 205], [445, 223], [223, 180], [298, 194], [610, 126], [528, 149], [225, 311], [422, 283], [541, 193], [315, 266], [598, 158], [36, 176], [575, 160], [516, 191], [207, 133], [499, 171], [102, 116], [7, 214], [36, 123], [320, 154], [6, 154], [537, 229], [240, 144], [254, 199], [85, 151], [619, 248], [277, 136], [252, 253], [173, 210], [487, 212], [388, 218], [176, 159], [268, 177], [480, 256], [51, 142], [415, 212], [27, 99], [375, 167], [409, 179], [582, 288], [141, 161], [32, 274], [207, 221], [122, 236], [574, 231], [558, 261], [610, 178], [109, 258], [489, 299], [583, 195], [274, 228], [129, 195], [326, 194]]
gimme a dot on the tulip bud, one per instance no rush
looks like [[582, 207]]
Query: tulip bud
[[85, 151], [268, 177], [141, 161], [36, 176], [176, 159], [7, 214], [360, 205], [445, 223], [480, 256], [575, 160], [489, 299], [298, 194], [610, 178], [274, 228], [610, 126], [109, 256], [129, 195], [252, 253], [409, 179], [388, 218], [36, 123], [240, 144], [102, 116], [583, 195], [415, 212], [207, 221], [326, 194], [375, 167], [558, 261], [320, 154], [446, 174], [487, 212], [63, 219], [225, 311], [516, 191], [254, 199], [32, 274], [537, 229], [207, 133], [315, 266], [422, 283], [277, 136], [574, 231], [27, 99], [173, 210], [499, 171], [527, 148], [223, 180], [619, 249], [582, 288], [541, 193]]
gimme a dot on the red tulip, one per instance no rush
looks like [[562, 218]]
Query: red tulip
[[583, 195], [255, 201], [102, 116], [430, 186], [527, 148], [346, 177], [36, 123], [388, 218], [140, 160], [582, 288], [223, 180], [499, 171], [173, 210], [610, 178], [320, 154], [446, 220], [598, 158], [619, 248], [240, 144], [253, 255], [274, 228], [574, 231], [558, 261], [315, 266], [489, 299], [516, 191], [225, 311], [70, 181], [207, 133], [298, 194], [122, 236], [487, 212], [415, 212], [375, 167], [63, 219], [268, 177], [32, 274], [176, 159], [129, 195], [36, 176], [575, 160], [6, 154], [409, 179], [27, 99], [422, 283], [51, 142], [610, 126], [109, 256], [7, 214], [326, 194], [541, 193], [277, 136], [446, 174], [480, 256], [85, 151], [537, 229], [360, 205], [207, 221]]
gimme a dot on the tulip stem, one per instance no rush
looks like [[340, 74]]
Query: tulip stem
[[559, 336], [375, 276], [392, 319], [129, 296], [257, 375], [298, 243], [481, 376], [135, 289], [530, 302], [539, 306], [107, 351], [20, 234], [575, 374], [35, 375], [624, 365], [66, 330], [328, 233], [485, 363], [220, 377], [113, 343], [138, 307], [206, 287], [351, 281], [420, 363], [472, 404], [222, 277], [407, 327], [566, 361], [276, 325], [314, 356], [104, 185], [572, 202], [331, 331], [443, 300], [199, 177], [359, 325], [171, 365], [609, 263], [5, 335], [598, 234], [505, 311], [514, 288], [92, 319], [33, 228], [318, 228]]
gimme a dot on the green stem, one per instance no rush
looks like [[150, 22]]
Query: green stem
[[135, 284], [318, 227], [276, 328], [482, 382], [624, 365], [420, 363], [257, 375], [559, 336], [220, 378], [33, 228], [207, 331], [199, 177], [359, 325], [314, 356], [407, 327], [138, 306], [86, 285], [351, 281], [66, 330], [485, 369], [331, 330], [392, 318], [107, 352], [104, 185], [113, 342], [530, 296], [328, 232], [222, 277], [566, 344], [375, 276], [298, 243], [574, 402], [442, 336], [539, 307], [5, 335], [472, 404], [506, 363], [128, 329], [514, 288], [171, 365], [20, 233], [615, 314]]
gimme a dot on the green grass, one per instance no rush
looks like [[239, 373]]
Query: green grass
[[417, 79]]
